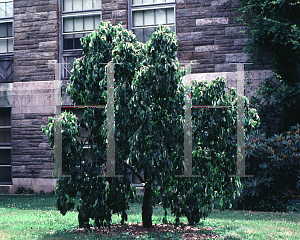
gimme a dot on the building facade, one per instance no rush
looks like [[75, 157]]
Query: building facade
[[35, 34]]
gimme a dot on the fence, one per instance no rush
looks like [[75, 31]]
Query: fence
[[110, 165]]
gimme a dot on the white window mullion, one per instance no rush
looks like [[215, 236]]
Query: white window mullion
[[147, 15], [79, 18]]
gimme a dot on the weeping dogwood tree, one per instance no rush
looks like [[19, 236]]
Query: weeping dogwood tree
[[149, 132]]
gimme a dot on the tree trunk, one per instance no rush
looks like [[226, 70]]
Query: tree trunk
[[147, 208]]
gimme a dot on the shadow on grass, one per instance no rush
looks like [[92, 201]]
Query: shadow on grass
[[137, 231]]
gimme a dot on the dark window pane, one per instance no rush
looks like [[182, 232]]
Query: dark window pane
[[5, 117], [9, 29], [5, 136], [135, 179], [68, 42], [148, 33], [5, 174], [139, 34], [68, 66], [5, 157], [173, 28], [77, 41], [3, 30]]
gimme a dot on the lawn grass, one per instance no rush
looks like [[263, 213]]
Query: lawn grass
[[35, 217]]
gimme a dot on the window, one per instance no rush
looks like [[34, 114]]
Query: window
[[86, 148], [6, 41], [79, 18], [146, 15], [76, 27], [5, 146]]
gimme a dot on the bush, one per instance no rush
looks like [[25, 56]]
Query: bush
[[23, 190], [274, 162]]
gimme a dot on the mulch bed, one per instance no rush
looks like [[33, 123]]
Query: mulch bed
[[136, 230]]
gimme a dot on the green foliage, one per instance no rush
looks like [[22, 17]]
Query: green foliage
[[274, 26], [281, 100], [149, 131], [23, 190], [274, 162]]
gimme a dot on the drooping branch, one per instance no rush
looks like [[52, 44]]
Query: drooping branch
[[133, 171]]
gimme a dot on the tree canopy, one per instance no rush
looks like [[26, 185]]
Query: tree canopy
[[149, 132], [274, 29], [275, 26]]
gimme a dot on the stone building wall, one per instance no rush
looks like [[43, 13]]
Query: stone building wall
[[207, 33], [35, 39], [115, 11], [31, 95]]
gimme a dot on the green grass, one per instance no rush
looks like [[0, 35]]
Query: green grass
[[35, 217]]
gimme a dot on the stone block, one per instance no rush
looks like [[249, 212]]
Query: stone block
[[21, 123], [46, 8], [49, 28], [48, 165], [20, 36], [38, 16], [207, 48], [20, 158], [44, 146], [237, 58], [43, 55], [46, 173], [212, 21], [18, 169], [52, 15], [186, 23], [190, 36], [19, 144], [48, 44], [184, 13], [240, 41], [119, 14], [235, 30], [37, 121], [20, 17], [219, 2], [30, 9], [225, 67], [53, 2]]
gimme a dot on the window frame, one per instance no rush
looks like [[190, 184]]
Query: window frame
[[7, 146], [149, 6], [71, 33], [64, 54], [8, 56]]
